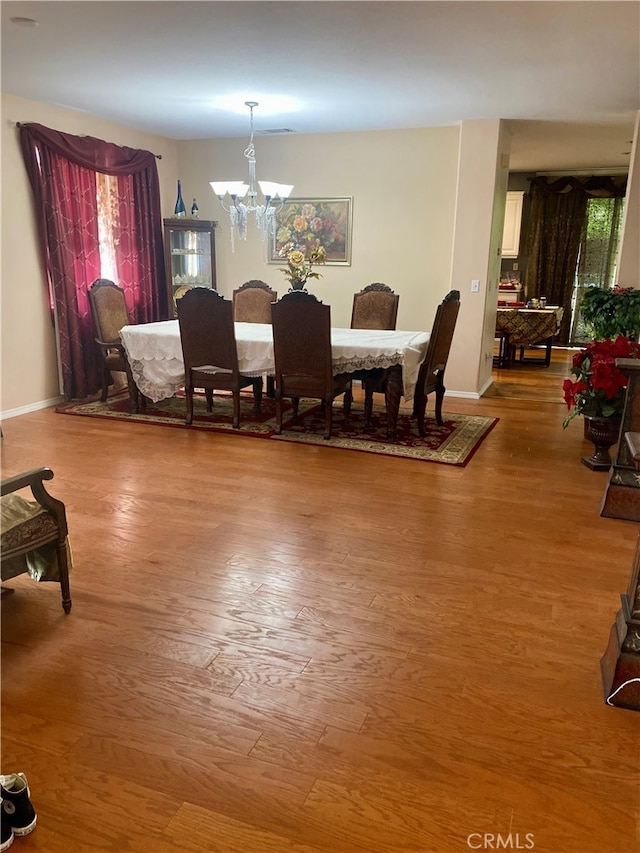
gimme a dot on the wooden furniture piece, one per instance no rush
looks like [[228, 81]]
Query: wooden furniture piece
[[252, 302], [209, 350], [375, 307], [430, 376], [622, 494], [302, 355], [620, 664], [190, 257], [109, 313], [34, 533], [526, 327]]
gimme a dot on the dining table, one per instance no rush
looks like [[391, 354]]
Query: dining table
[[154, 351], [525, 327]]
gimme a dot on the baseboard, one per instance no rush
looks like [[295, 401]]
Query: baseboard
[[469, 395], [32, 407]]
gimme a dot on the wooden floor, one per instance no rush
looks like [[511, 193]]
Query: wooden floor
[[276, 648]]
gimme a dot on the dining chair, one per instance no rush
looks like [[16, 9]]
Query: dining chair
[[252, 302], [302, 353], [109, 313], [375, 307], [209, 351], [431, 373], [432, 369]]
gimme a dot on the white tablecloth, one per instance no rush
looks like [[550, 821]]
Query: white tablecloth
[[155, 353]]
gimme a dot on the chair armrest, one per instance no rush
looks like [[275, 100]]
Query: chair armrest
[[34, 479], [111, 344]]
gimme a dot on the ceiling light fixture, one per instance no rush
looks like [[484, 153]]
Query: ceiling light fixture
[[275, 196]]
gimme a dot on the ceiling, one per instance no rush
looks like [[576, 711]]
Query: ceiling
[[566, 75]]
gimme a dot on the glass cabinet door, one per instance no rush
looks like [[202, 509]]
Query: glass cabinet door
[[190, 257]]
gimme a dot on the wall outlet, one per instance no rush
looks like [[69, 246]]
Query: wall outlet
[[475, 285], [514, 267]]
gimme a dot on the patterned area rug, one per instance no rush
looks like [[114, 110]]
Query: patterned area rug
[[454, 443]]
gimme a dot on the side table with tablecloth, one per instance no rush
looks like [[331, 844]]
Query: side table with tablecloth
[[525, 327]]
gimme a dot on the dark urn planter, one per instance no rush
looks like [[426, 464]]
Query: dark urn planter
[[604, 433]]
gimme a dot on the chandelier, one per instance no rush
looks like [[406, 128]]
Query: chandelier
[[243, 198]]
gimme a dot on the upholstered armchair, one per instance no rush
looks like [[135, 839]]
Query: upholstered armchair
[[34, 533]]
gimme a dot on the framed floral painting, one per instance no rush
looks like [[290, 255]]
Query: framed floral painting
[[311, 223]]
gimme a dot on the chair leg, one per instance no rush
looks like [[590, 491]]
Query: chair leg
[[368, 405], [296, 406], [271, 387], [440, 389], [257, 396], [278, 412], [63, 569], [348, 399], [208, 395], [328, 413], [236, 409], [189, 400], [106, 376], [132, 388], [420, 407]]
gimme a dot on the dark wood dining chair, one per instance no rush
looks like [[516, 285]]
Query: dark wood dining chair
[[109, 313], [252, 302], [302, 352], [375, 307], [210, 352], [432, 369]]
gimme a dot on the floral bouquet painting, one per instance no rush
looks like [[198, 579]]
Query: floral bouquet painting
[[309, 225]]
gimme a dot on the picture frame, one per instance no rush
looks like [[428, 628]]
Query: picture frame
[[306, 223]]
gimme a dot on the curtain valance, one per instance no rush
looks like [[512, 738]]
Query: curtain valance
[[90, 152], [595, 186]]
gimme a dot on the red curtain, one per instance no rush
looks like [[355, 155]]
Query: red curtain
[[61, 169]]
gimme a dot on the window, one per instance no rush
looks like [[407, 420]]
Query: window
[[598, 257]]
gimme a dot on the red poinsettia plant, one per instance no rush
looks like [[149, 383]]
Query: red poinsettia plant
[[599, 387]]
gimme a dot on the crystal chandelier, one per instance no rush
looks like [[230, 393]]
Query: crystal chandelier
[[238, 209]]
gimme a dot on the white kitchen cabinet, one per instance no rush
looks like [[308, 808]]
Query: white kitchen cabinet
[[512, 223]]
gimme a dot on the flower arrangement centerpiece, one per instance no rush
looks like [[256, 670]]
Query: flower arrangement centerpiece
[[300, 263], [598, 389]]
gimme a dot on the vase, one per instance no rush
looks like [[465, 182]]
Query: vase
[[297, 285], [180, 210], [603, 433]]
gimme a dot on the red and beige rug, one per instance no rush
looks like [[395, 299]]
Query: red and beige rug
[[454, 443]]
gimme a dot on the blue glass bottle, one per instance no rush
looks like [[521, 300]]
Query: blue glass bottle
[[180, 209], [195, 212]]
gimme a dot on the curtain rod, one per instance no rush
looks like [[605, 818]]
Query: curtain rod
[[21, 124]]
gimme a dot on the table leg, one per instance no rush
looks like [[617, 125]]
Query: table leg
[[392, 394]]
